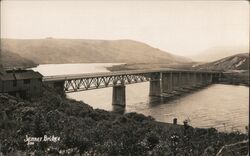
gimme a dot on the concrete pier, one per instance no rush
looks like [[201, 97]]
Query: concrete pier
[[167, 84], [119, 95], [210, 78], [193, 79], [198, 79], [205, 79], [216, 78], [155, 85], [164, 82], [175, 81], [189, 83], [181, 78], [185, 80]]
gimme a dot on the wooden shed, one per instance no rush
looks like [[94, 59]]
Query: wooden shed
[[22, 83]]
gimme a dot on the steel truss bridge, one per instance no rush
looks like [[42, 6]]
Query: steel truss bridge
[[95, 81], [161, 81]]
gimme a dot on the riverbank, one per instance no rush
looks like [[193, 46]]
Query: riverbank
[[85, 130]]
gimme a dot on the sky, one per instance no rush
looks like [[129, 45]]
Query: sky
[[180, 27]]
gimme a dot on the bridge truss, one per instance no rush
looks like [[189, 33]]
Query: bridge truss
[[82, 84], [157, 78]]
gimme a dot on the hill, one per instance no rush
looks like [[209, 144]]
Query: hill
[[10, 60], [44, 51], [216, 53], [235, 62]]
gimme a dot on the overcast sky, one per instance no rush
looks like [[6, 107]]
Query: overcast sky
[[179, 27]]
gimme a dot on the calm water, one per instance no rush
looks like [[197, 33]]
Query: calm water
[[224, 107]]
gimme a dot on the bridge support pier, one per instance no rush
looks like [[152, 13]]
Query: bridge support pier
[[155, 85], [176, 81], [181, 79], [216, 78], [185, 80], [210, 78], [193, 79], [205, 78], [119, 96], [200, 84], [167, 85], [198, 79], [189, 83]]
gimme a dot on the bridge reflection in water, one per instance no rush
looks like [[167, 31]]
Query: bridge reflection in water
[[165, 83]]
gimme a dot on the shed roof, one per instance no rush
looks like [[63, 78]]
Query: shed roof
[[6, 77], [20, 75]]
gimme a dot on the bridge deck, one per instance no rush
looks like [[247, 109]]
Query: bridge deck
[[117, 73]]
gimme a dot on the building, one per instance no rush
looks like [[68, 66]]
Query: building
[[21, 83]]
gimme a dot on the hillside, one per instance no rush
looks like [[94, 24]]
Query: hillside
[[216, 53], [82, 130], [10, 60], [235, 62], [50, 50]]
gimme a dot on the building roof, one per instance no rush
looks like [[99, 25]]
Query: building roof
[[6, 77], [20, 75]]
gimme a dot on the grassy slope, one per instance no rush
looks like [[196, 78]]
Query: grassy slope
[[83, 129]]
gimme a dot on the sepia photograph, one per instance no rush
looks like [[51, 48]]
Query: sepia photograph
[[124, 77]]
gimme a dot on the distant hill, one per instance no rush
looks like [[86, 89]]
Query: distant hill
[[10, 60], [216, 53], [43, 51], [235, 62]]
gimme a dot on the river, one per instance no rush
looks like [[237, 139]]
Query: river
[[224, 107]]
